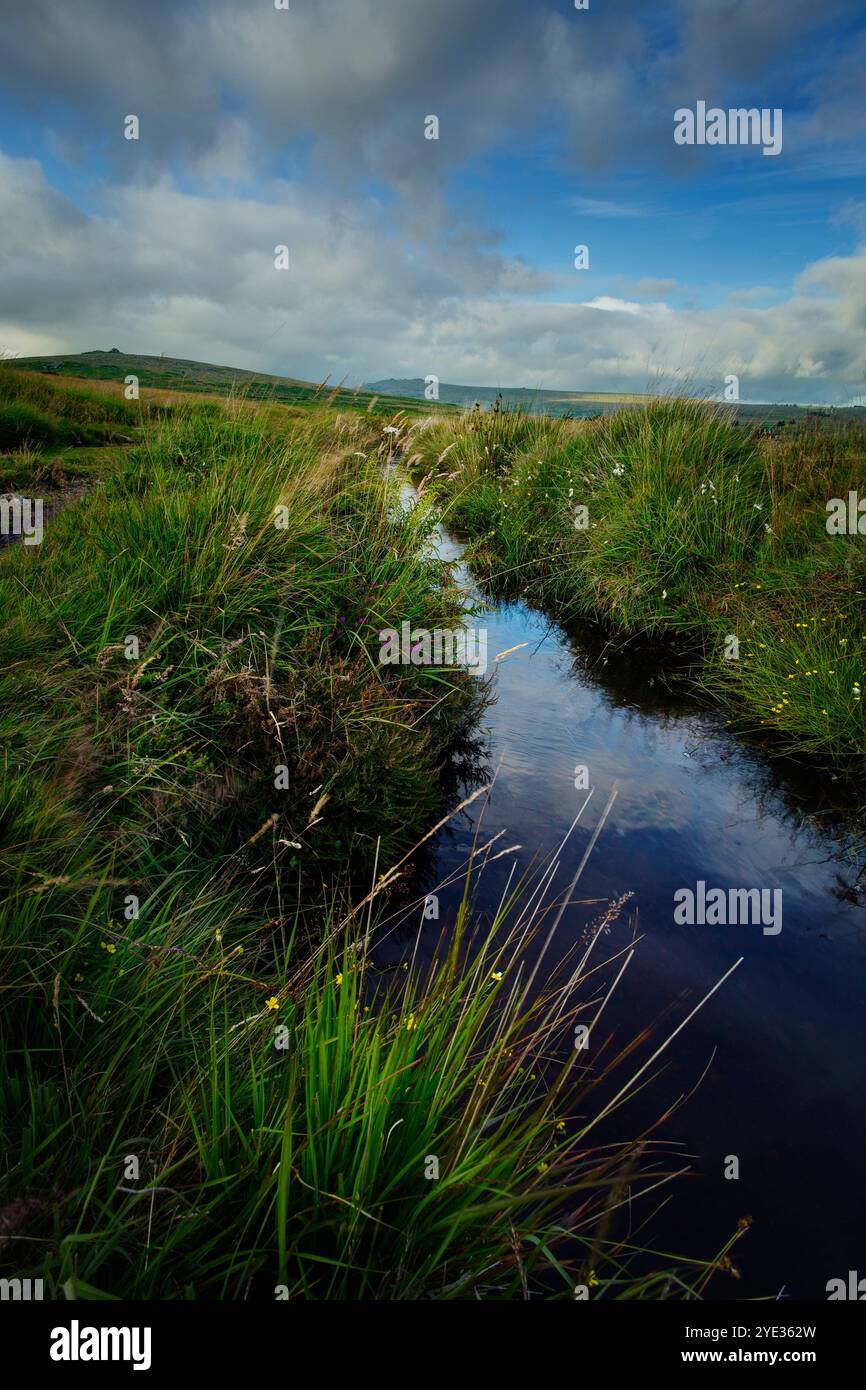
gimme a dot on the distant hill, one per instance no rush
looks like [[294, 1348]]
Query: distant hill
[[584, 403], [182, 374], [395, 393], [530, 398]]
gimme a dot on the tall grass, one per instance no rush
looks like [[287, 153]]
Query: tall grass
[[255, 645], [695, 529], [209, 1086], [241, 1117], [36, 411]]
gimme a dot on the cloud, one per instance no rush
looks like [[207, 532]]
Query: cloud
[[176, 270], [852, 213], [600, 207], [609, 305], [836, 93], [648, 287], [306, 127], [750, 44], [750, 295], [160, 268], [347, 83]]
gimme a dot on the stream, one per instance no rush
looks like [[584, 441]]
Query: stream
[[775, 1058]]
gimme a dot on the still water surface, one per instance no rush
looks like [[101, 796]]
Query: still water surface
[[785, 1037]]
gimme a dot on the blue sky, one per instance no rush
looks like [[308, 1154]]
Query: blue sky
[[451, 256], [691, 232]]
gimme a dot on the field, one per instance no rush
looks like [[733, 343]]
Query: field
[[212, 795], [675, 524], [176, 374], [587, 404]]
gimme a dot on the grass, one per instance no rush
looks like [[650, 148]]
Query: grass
[[695, 530], [95, 371], [254, 642], [211, 795], [319, 1132], [37, 412]]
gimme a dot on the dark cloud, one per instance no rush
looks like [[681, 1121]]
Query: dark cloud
[[238, 86]]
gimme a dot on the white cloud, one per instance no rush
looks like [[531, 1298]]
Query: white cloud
[[649, 287], [611, 305], [601, 207], [160, 269]]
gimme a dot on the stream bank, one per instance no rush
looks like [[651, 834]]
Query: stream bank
[[774, 1060]]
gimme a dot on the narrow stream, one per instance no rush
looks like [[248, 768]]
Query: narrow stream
[[785, 1037]]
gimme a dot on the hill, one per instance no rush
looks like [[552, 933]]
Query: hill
[[583, 403], [182, 374]]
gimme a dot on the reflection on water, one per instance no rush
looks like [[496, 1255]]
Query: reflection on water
[[786, 1035]]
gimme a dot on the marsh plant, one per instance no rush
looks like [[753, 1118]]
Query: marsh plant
[[461, 646], [214, 795], [676, 522]]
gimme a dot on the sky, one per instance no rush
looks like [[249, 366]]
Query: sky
[[307, 127]]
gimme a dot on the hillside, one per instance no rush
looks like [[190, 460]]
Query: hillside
[[530, 398], [583, 403], [181, 374], [393, 393]]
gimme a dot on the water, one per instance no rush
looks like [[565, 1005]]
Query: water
[[785, 1036]]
